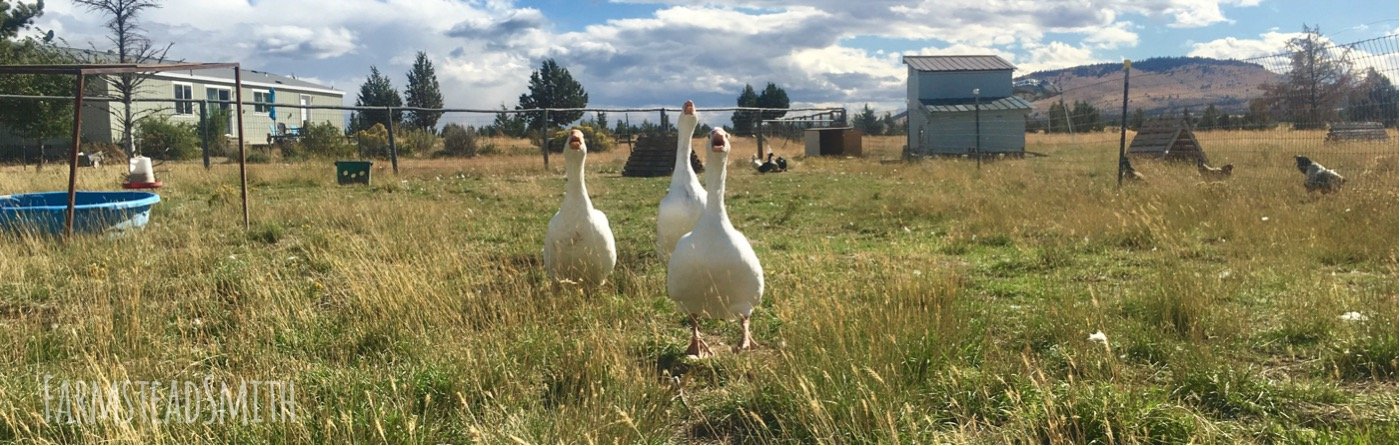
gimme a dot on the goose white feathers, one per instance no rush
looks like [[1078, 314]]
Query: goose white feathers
[[579, 245], [714, 271], [685, 200]]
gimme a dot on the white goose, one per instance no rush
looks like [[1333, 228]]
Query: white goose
[[714, 271], [579, 246], [685, 200]]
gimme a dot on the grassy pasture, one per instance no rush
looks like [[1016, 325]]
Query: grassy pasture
[[920, 302]]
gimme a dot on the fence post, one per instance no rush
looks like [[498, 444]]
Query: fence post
[[1123, 123], [204, 130], [977, 117], [544, 137], [393, 149], [759, 130], [68, 213]]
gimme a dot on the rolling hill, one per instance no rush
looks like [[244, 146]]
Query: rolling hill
[[1158, 85]]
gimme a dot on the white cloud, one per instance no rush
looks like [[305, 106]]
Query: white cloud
[[1056, 55], [300, 42], [705, 50]]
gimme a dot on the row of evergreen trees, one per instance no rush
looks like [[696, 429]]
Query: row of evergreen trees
[[423, 91]]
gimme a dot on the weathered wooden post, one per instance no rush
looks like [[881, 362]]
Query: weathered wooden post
[[1123, 123], [544, 138], [758, 129], [393, 148], [204, 130]]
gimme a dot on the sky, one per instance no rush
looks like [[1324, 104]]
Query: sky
[[647, 53]]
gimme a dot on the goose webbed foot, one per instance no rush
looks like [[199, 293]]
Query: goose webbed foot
[[697, 348], [747, 342]]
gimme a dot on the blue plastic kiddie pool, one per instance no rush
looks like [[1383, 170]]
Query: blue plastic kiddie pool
[[94, 212]]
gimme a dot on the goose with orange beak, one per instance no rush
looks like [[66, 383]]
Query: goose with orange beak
[[714, 272], [578, 246], [685, 199]]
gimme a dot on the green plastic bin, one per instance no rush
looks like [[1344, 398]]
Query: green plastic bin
[[352, 172]]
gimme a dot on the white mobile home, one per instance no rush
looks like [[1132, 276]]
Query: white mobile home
[[270, 102]]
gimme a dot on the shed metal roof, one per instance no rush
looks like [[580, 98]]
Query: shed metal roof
[[958, 63], [969, 104]]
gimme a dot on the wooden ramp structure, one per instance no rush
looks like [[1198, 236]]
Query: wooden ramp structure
[[1167, 138], [654, 155], [1356, 131]]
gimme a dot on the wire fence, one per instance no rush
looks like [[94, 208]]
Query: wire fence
[[1334, 103], [280, 129]]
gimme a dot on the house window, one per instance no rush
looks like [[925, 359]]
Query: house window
[[260, 98], [219, 97], [183, 94]]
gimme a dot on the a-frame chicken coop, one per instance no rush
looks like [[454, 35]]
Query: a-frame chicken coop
[[654, 155], [1167, 138]]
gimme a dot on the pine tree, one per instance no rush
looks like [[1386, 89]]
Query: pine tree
[[553, 87], [1058, 117], [377, 91], [890, 126], [509, 124], [423, 92], [867, 122], [18, 16], [1373, 99], [1135, 122], [773, 97], [1210, 118], [32, 120], [743, 120]]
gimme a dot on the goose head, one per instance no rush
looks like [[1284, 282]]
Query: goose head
[[574, 145], [719, 141], [688, 108]]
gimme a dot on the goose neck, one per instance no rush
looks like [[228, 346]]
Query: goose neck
[[715, 174], [574, 190], [685, 128]]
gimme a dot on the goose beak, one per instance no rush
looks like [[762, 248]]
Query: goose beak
[[576, 140], [719, 140]]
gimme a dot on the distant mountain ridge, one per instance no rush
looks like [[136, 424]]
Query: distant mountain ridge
[[1159, 85]]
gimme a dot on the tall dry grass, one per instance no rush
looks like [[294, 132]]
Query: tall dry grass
[[907, 303]]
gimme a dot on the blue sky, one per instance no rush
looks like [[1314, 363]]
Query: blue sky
[[663, 52]]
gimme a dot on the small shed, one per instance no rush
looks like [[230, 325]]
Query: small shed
[[1356, 131], [654, 155], [958, 104], [834, 141], [1167, 138]]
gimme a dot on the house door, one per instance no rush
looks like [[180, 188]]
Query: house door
[[304, 100]]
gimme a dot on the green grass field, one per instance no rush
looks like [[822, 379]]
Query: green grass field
[[921, 302]]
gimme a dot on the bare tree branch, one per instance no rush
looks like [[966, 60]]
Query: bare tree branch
[[132, 46]]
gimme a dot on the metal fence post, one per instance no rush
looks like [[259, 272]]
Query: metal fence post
[[393, 148], [1123, 124], [977, 117]]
